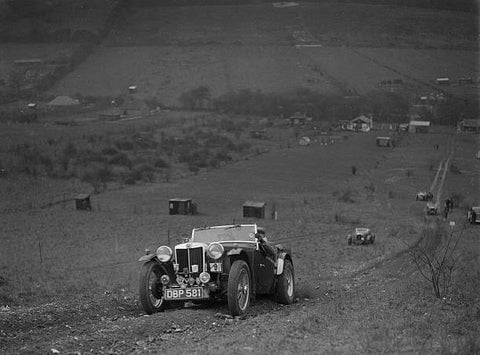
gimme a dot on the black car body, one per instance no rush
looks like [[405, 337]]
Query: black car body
[[232, 261]]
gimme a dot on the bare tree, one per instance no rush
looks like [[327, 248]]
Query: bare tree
[[435, 257]]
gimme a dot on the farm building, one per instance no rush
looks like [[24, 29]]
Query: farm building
[[419, 126], [181, 206], [384, 141], [465, 80], [442, 81], [82, 202], [361, 123], [63, 101], [305, 141], [469, 125], [254, 209], [299, 118]]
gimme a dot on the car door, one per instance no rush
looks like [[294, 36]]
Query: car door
[[264, 266]]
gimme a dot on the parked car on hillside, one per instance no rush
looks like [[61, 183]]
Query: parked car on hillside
[[361, 236], [432, 208], [473, 215], [235, 262], [424, 196]]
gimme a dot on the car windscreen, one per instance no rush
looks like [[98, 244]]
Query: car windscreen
[[229, 233]]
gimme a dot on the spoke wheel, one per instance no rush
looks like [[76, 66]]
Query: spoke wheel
[[151, 294], [285, 291], [239, 288]]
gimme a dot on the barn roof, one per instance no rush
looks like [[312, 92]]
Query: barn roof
[[63, 101], [180, 199], [362, 118], [420, 123], [257, 204]]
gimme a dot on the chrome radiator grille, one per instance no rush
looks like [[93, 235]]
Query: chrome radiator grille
[[188, 257]]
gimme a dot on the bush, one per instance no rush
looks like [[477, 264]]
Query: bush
[[123, 144], [121, 159], [454, 169], [160, 163]]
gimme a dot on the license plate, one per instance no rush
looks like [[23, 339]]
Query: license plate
[[184, 293]]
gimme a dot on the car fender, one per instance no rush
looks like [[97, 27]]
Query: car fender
[[235, 251], [280, 263], [147, 257]]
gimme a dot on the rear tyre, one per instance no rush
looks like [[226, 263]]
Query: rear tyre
[[151, 293], [285, 291], [239, 288]]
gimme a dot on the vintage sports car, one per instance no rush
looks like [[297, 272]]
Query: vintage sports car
[[473, 215], [424, 196], [235, 262], [432, 208], [361, 236]]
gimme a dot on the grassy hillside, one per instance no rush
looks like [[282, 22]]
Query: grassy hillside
[[167, 51]]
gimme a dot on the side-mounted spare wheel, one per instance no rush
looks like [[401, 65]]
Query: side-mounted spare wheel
[[239, 288], [151, 293], [285, 291]]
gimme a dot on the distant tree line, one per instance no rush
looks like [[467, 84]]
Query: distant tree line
[[385, 106]]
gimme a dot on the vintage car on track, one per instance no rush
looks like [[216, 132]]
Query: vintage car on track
[[473, 215], [235, 262], [432, 208], [424, 196], [361, 236]]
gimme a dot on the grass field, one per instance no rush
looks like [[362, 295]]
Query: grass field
[[167, 51], [58, 251]]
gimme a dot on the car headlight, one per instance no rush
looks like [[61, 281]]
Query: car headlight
[[215, 250], [164, 253]]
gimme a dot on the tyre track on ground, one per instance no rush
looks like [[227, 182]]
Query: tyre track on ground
[[437, 184]]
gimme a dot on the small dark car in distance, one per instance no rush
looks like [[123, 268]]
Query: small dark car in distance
[[473, 216], [235, 262], [362, 236]]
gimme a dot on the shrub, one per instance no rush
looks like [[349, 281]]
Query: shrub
[[454, 169], [160, 163], [123, 144], [354, 170], [121, 159], [109, 151]]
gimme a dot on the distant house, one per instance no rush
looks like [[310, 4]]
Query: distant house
[[419, 126], [442, 81], [183, 206], [361, 123], [469, 125], [63, 101], [300, 118], [465, 80]]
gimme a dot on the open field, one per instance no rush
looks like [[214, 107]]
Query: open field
[[167, 51], [309, 204], [58, 253]]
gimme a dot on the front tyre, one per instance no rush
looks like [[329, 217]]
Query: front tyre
[[238, 289], [286, 284], [151, 293]]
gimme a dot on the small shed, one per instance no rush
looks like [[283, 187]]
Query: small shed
[[181, 206], [305, 141], [254, 209], [132, 89], [469, 125], [384, 141], [442, 81], [82, 202], [419, 126]]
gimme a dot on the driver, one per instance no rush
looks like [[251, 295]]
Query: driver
[[265, 245]]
